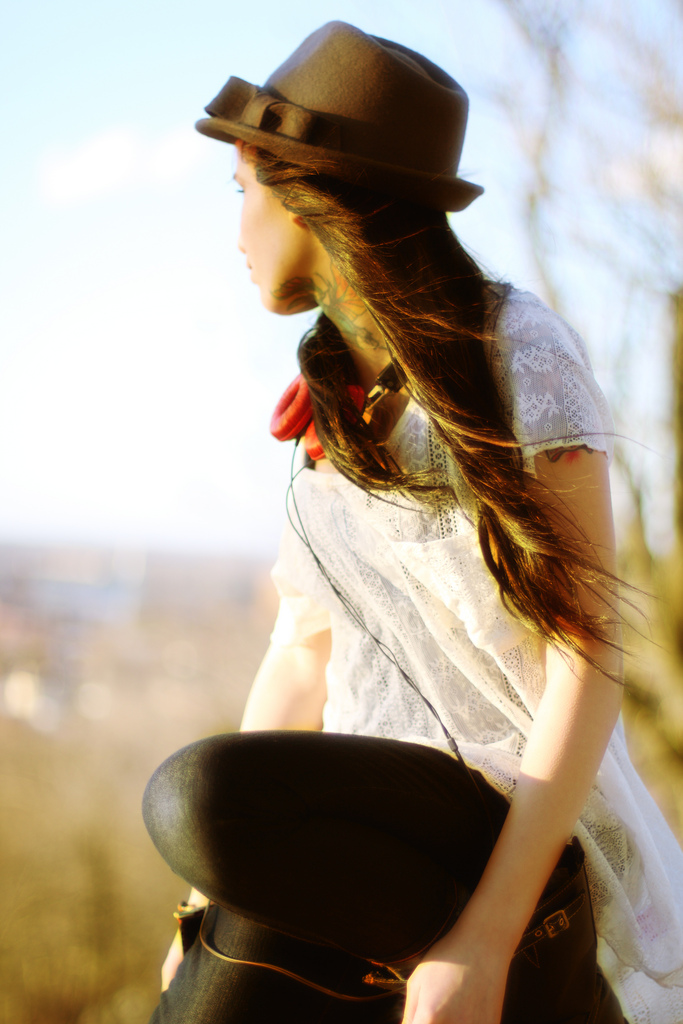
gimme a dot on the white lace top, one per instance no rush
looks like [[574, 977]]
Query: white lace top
[[420, 584]]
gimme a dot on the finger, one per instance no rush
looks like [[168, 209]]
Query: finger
[[410, 1009]]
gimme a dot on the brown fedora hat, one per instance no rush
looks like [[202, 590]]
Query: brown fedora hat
[[360, 108]]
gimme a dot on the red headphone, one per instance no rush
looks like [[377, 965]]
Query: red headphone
[[293, 415]]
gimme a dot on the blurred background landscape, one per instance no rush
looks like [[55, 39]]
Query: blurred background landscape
[[109, 662], [141, 497]]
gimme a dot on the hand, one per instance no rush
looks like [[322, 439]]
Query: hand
[[450, 988], [172, 961]]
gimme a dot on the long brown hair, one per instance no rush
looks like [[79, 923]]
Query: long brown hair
[[436, 310]]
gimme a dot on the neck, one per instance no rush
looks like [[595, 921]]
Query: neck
[[355, 323]]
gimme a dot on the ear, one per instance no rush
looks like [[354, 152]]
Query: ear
[[300, 222]]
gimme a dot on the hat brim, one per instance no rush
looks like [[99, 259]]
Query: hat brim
[[439, 192]]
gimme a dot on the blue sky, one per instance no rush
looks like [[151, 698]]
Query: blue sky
[[137, 369]]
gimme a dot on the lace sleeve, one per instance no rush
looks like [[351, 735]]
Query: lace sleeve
[[299, 616], [545, 380]]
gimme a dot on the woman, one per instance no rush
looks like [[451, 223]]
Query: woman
[[447, 575]]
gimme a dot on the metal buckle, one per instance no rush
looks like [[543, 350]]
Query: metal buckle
[[556, 923], [384, 981]]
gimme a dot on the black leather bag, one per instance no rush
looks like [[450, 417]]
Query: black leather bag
[[553, 979]]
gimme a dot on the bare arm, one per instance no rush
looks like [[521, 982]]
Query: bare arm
[[289, 690], [463, 977]]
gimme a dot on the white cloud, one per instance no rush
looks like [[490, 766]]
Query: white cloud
[[117, 159]]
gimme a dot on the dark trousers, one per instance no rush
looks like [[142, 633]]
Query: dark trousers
[[358, 842]]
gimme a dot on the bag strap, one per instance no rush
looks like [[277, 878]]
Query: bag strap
[[332, 971]]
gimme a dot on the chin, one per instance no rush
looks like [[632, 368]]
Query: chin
[[286, 307]]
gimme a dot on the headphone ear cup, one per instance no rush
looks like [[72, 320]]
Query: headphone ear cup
[[293, 411], [357, 396], [312, 444], [293, 415]]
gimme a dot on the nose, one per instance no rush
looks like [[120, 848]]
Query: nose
[[240, 233]]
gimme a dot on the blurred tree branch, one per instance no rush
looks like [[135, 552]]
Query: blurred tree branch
[[594, 102]]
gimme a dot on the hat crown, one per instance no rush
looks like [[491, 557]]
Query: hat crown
[[391, 100]]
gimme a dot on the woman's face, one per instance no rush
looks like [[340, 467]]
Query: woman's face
[[282, 253]]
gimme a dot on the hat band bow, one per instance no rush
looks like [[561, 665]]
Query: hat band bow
[[241, 101]]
